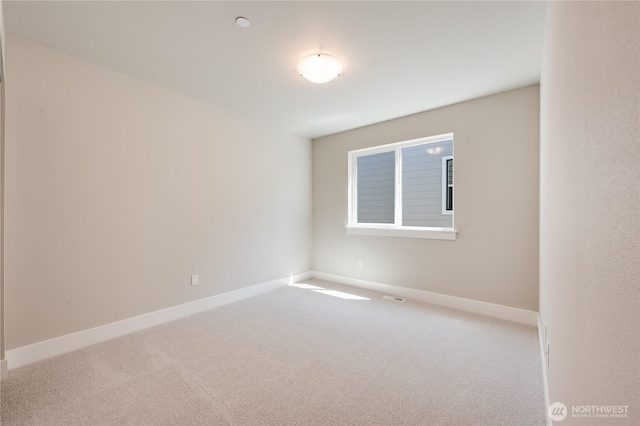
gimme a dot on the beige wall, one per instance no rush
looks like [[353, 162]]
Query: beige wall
[[2, 37], [590, 205], [2, 353], [117, 191], [495, 258], [2, 168]]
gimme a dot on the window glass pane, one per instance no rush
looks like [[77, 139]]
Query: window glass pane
[[449, 186], [423, 186], [376, 188]]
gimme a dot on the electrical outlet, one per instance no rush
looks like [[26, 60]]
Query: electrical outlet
[[360, 263], [195, 279]]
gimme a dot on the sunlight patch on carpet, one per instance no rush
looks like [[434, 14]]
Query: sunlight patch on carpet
[[341, 294]]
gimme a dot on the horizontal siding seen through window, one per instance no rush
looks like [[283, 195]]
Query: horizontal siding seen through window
[[376, 188]]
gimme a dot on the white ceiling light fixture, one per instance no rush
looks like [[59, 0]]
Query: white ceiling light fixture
[[319, 68]]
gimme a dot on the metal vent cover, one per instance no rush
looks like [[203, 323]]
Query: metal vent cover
[[394, 298]]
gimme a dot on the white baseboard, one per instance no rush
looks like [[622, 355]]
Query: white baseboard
[[19, 357], [521, 316], [4, 371], [545, 383]]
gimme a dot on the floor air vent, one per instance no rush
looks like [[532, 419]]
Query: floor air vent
[[395, 299]]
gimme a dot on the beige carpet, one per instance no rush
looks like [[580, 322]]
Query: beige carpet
[[294, 357]]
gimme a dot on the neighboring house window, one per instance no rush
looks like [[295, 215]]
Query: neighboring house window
[[447, 184], [403, 189]]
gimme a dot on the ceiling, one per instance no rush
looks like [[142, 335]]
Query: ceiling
[[399, 57]]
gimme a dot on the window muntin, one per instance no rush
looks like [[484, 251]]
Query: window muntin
[[421, 190]]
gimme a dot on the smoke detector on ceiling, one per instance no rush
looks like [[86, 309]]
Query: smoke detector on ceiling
[[242, 22]]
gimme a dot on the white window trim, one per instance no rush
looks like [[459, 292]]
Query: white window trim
[[391, 230], [445, 184], [404, 231]]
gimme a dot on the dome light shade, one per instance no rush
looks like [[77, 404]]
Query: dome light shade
[[319, 68]]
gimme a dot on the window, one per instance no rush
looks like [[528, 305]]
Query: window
[[403, 189], [447, 184]]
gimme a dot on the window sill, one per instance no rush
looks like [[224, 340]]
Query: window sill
[[413, 232]]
